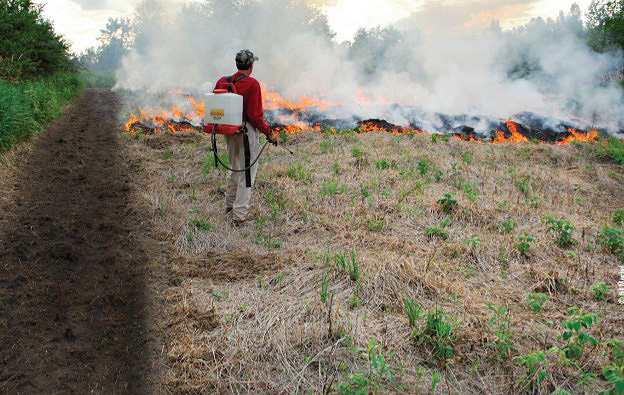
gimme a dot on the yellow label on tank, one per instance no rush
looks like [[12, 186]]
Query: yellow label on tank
[[217, 112]]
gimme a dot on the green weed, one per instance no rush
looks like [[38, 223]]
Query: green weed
[[612, 240], [524, 244], [331, 187], [166, 155], [376, 226], [201, 224], [423, 167], [562, 229], [533, 364], [382, 164], [600, 291], [500, 326], [507, 226], [413, 312], [447, 203], [298, 172], [618, 217], [356, 152], [535, 301], [437, 334], [350, 266], [324, 289]]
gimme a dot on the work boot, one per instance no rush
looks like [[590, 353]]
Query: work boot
[[239, 223]]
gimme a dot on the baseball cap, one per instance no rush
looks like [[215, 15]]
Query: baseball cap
[[245, 58]]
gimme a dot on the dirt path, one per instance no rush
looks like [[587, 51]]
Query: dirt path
[[74, 305]]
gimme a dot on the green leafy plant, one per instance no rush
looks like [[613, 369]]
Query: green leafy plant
[[356, 152], [437, 231], [472, 242], [600, 291], [562, 229], [573, 334], [466, 157], [508, 226], [533, 364], [618, 217], [535, 301], [378, 374], [500, 327], [470, 191], [614, 371], [423, 167], [522, 185], [382, 164], [524, 244], [612, 240], [447, 203], [167, 154]]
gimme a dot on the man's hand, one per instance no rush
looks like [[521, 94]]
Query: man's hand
[[272, 138]]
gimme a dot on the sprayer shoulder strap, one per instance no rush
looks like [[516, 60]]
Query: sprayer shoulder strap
[[229, 80]]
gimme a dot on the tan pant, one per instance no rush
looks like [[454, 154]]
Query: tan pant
[[237, 195]]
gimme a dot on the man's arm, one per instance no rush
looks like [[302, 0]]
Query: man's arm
[[255, 113]]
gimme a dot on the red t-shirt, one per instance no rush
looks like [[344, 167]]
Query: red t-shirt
[[249, 88]]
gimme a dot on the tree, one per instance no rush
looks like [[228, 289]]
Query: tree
[[370, 46], [29, 46], [605, 21]]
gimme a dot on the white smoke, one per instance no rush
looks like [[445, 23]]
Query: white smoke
[[545, 67]]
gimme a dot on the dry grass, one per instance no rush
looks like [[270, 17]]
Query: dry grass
[[245, 308]]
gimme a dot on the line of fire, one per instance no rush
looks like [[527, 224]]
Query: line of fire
[[311, 115]]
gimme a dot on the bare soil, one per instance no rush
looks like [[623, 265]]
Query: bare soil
[[74, 300]]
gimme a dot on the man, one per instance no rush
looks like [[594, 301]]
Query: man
[[240, 184]]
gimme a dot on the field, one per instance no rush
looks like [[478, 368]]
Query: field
[[390, 263]]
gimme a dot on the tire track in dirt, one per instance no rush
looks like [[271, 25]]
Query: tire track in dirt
[[73, 285]]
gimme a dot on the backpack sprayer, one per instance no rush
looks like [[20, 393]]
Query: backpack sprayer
[[224, 115]]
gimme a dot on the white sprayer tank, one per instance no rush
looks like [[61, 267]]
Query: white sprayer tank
[[223, 109]]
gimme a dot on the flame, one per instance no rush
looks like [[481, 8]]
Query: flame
[[274, 101], [588, 137], [181, 118]]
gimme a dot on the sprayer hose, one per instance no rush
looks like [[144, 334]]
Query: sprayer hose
[[214, 150]]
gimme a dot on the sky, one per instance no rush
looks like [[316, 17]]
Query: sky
[[80, 21]]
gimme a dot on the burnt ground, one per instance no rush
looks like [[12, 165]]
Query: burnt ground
[[74, 296]]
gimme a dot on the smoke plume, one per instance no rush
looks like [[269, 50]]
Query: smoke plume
[[544, 67]]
